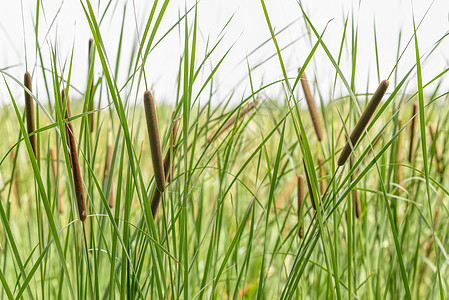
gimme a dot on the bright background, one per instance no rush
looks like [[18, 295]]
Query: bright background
[[64, 24]]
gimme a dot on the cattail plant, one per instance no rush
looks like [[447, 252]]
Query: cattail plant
[[29, 112], [155, 144], [412, 132], [309, 185], [311, 105], [437, 152], [363, 121], [322, 175], [399, 153], [54, 169], [91, 83], [232, 120], [16, 178], [168, 170], [301, 195], [76, 172]]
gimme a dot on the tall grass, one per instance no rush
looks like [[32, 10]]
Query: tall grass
[[104, 215]]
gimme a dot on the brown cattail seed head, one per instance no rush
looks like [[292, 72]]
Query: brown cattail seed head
[[412, 132], [155, 145], [301, 195], [363, 121], [312, 107], [29, 112], [155, 201], [76, 171]]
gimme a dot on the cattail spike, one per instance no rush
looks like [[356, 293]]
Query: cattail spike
[[29, 112], [155, 201], [301, 195], [155, 145], [363, 121], [311, 105], [76, 171], [412, 132]]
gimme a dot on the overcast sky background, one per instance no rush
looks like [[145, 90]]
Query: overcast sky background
[[246, 31]]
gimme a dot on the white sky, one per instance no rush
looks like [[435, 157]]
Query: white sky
[[247, 30]]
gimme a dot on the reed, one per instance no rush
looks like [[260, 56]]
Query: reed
[[155, 144], [54, 169], [76, 172], [232, 120], [412, 132], [309, 186], [301, 195], [91, 83], [363, 121], [311, 105], [29, 112], [322, 175], [168, 170]]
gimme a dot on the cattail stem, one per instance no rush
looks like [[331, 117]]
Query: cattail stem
[[311, 105], [412, 132], [29, 113], [91, 100], [232, 120], [76, 171], [301, 195], [155, 144], [363, 121], [156, 200]]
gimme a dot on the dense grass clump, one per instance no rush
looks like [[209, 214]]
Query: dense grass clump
[[212, 195]]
